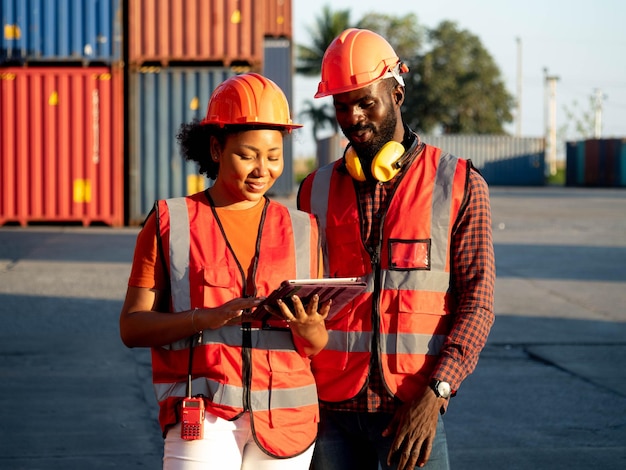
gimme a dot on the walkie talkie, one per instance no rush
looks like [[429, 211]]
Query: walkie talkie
[[192, 418], [192, 410]]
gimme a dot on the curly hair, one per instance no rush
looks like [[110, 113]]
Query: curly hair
[[194, 139]]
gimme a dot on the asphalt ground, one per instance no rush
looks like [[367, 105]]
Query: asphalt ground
[[548, 392]]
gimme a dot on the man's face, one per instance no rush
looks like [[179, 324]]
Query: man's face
[[367, 118]]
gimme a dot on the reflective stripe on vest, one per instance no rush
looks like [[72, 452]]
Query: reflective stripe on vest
[[228, 395], [319, 205], [179, 253], [392, 343]]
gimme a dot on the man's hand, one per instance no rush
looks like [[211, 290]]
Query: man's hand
[[415, 425]]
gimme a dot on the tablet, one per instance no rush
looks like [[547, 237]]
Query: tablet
[[342, 290]]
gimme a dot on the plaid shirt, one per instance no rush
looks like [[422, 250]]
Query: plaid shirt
[[473, 279]]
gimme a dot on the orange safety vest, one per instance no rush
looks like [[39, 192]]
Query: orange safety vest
[[404, 315], [249, 367]]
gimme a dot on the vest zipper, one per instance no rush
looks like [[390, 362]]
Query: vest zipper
[[246, 361]]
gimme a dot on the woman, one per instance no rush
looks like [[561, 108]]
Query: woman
[[204, 262]]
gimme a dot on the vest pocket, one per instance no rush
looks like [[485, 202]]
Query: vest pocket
[[219, 286], [407, 255], [287, 361], [415, 332], [291, 389]]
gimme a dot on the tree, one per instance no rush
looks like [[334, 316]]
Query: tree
[[580, 122], [309, 63], [327, 26], [456, 86], [321, 117], [404, 33]]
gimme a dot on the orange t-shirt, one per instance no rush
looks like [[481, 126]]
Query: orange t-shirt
[[240, 226]]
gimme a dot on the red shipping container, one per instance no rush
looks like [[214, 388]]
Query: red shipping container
[[278, 19], [61, 145], [592, 162], [223, 32]]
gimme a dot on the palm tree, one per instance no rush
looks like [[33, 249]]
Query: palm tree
[[309, 63], [327, 26], [320, 116]]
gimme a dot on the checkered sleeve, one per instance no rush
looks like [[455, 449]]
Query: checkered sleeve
[[473, 281]]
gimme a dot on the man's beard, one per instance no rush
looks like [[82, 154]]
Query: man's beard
[[368, 150]]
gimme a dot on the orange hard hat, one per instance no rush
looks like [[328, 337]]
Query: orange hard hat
[[249, 99], [355, 59]]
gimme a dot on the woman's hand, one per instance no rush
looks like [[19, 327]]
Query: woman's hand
[[228, 314], [143, 324], [307, 324]]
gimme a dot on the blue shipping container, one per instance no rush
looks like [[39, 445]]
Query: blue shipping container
[[160, 100], [622, 164], [61, 30], [278, 66], [575, 163]]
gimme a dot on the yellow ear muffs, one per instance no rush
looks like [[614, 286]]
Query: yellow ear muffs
[[385, 164], [353, 165]]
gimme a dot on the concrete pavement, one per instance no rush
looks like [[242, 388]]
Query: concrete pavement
[[548, 392]]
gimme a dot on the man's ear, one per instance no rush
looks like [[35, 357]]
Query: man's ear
[[398, 94]]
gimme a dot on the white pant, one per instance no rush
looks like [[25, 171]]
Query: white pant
[[227, 445]]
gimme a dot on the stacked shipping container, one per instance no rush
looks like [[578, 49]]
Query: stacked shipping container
[[61, 137], [72, 73], [223, 32], [178, 52], [84, 31], [61, 105]]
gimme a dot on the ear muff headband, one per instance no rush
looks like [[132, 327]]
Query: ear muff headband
[[384, 164]]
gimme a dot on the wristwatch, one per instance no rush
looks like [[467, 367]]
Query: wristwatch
[[441, 389]]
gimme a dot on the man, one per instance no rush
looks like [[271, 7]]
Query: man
[[415, 222]]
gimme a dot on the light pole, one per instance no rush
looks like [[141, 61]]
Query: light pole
[[519, 88], [550, 82]]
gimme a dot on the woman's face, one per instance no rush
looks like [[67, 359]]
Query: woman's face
[[249, 164]]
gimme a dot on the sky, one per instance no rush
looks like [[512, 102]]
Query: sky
[[581, 42]]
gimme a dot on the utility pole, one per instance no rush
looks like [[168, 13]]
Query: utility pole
[[519, 88], [598, 114], [550, 81]]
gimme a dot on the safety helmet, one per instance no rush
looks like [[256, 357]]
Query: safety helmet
[[249, 99], [355, 59]]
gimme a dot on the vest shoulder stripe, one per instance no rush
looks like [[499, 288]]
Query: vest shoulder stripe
[[179, 253], [301, 224]]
